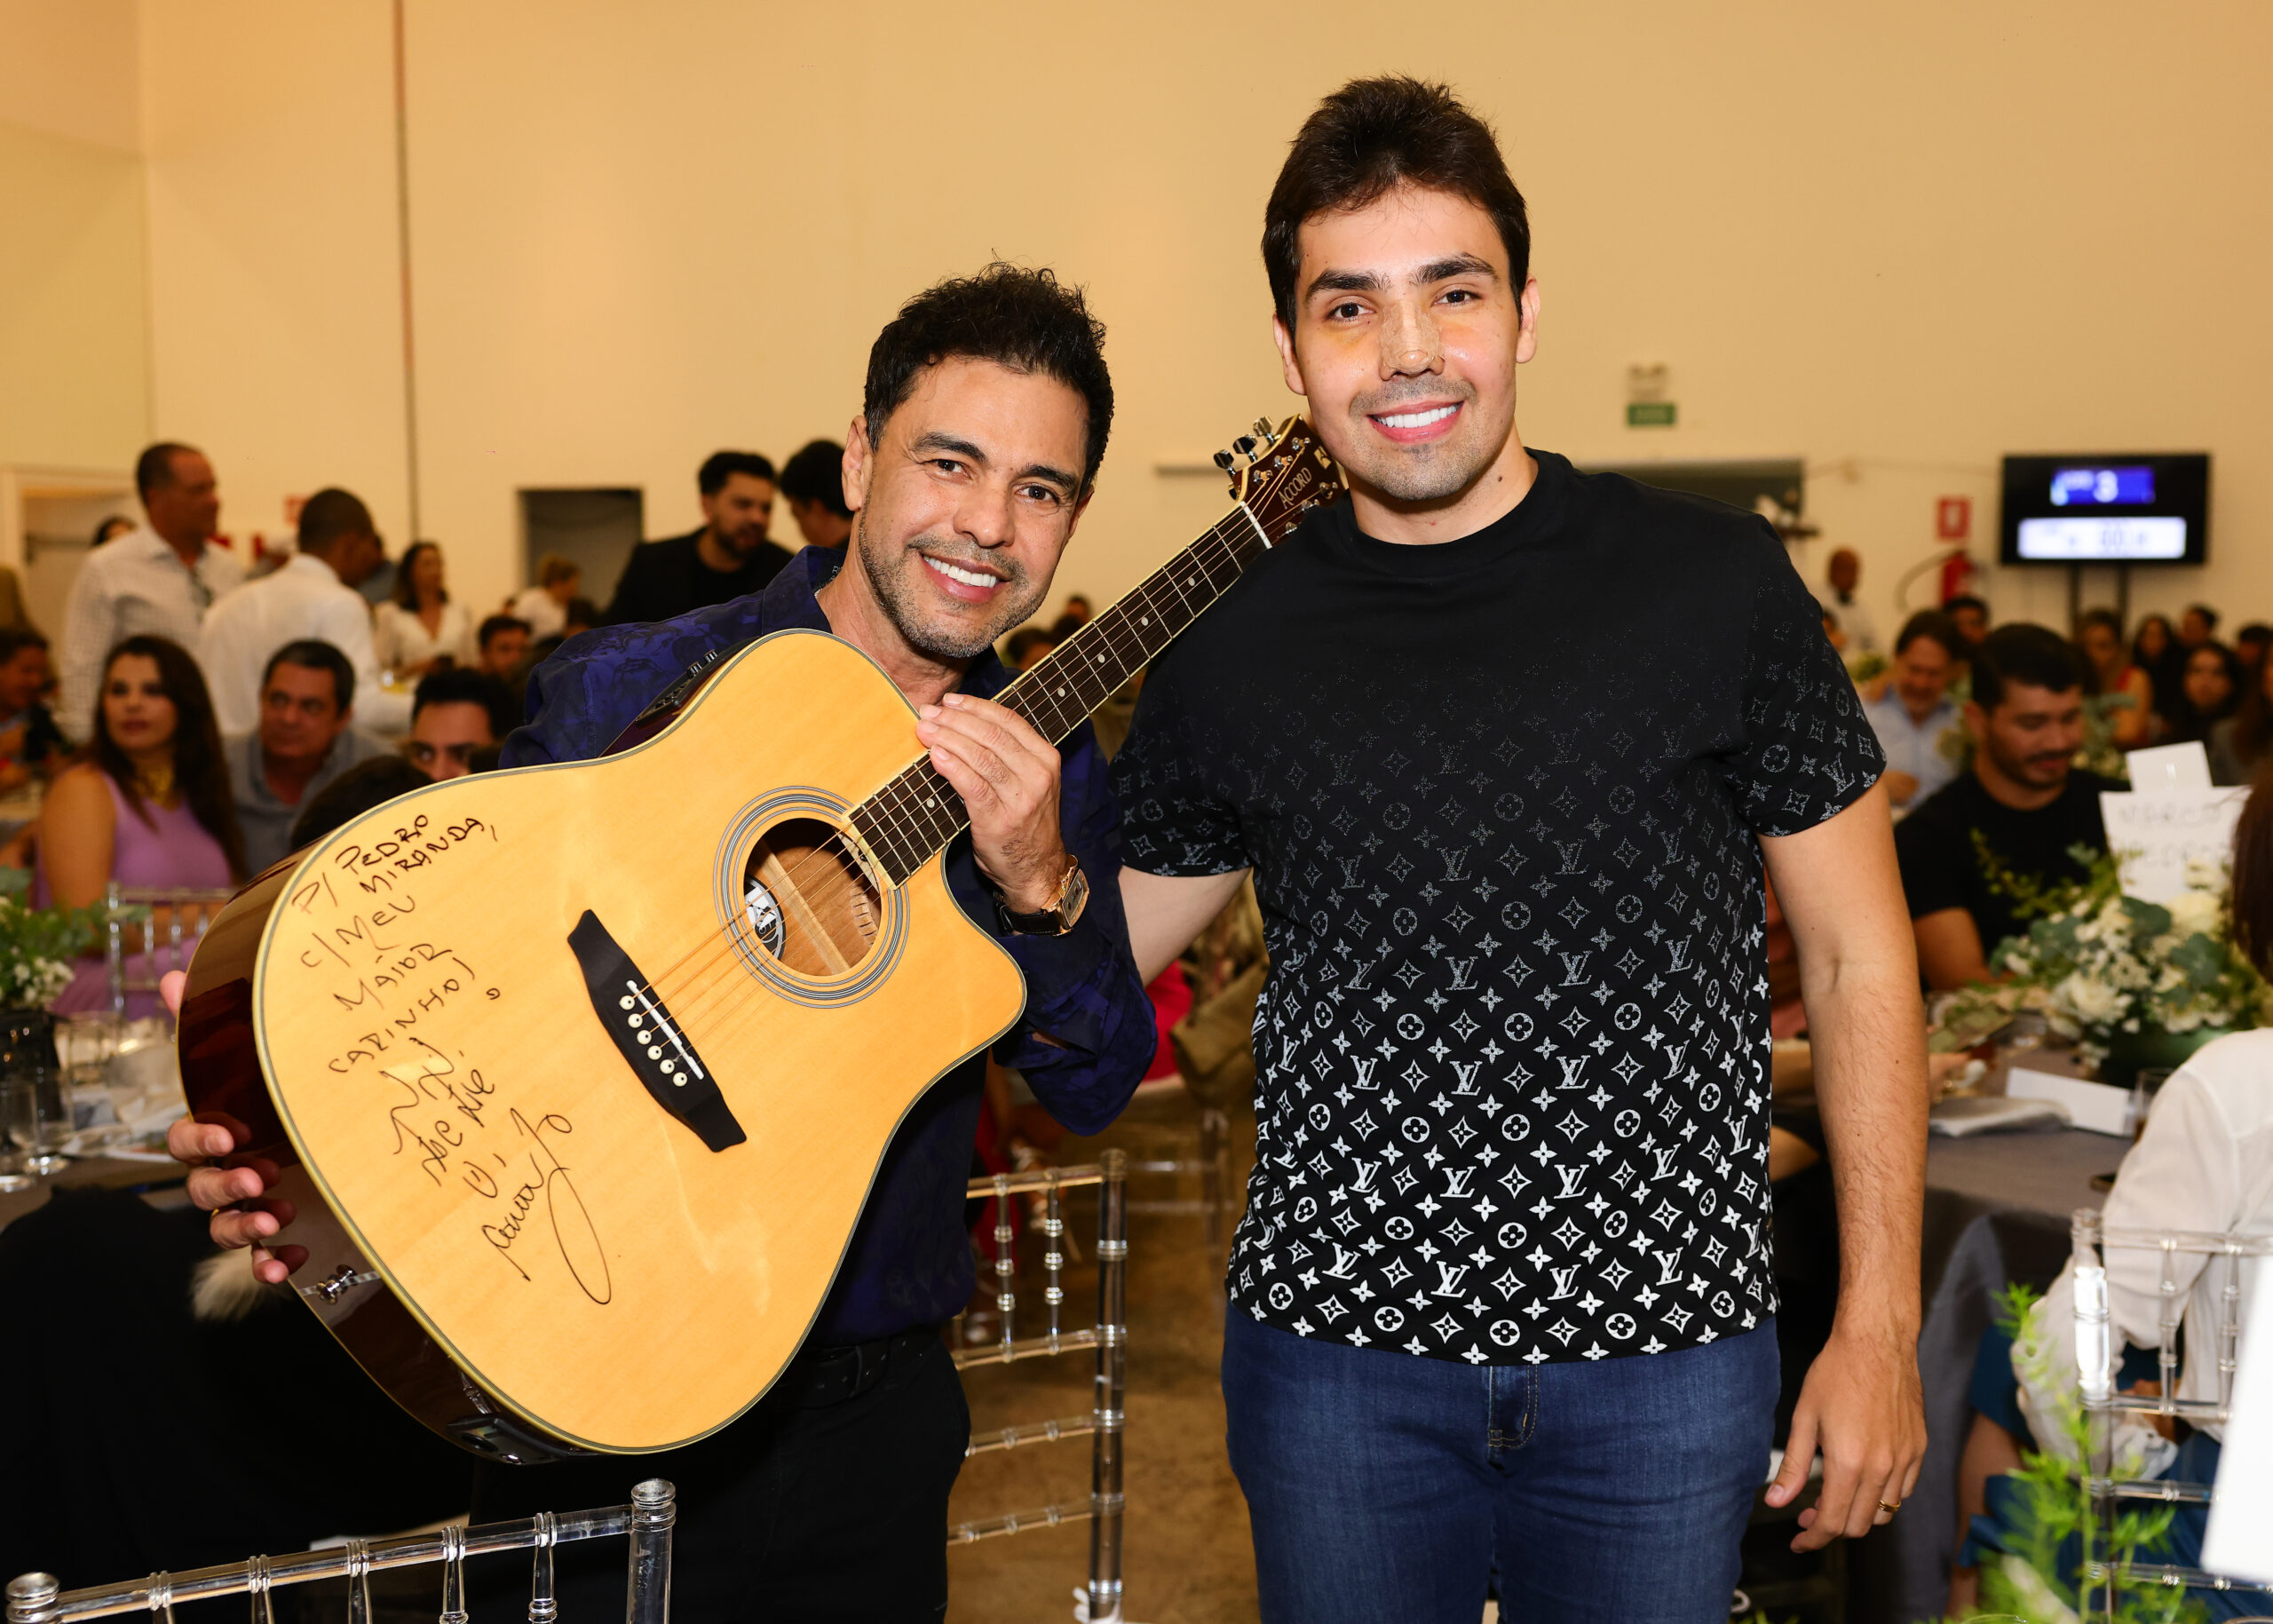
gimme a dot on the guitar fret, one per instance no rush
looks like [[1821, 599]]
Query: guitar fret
[[917, 812]]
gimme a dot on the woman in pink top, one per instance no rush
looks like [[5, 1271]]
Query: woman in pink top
[[148, 804]]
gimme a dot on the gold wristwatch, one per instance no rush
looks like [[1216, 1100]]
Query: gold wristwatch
[[1059, 917]]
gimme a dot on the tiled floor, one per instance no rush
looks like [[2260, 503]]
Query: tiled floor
[[1188, 1560]]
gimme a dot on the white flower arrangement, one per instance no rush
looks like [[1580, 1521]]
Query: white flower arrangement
[[37, 945], [2098, 964]]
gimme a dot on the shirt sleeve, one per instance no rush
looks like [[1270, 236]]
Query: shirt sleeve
[[347, 626], [1806, 751], [1178, 819], [1087, 1035], [86, 639]]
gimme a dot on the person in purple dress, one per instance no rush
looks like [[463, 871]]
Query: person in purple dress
[[148, 803]]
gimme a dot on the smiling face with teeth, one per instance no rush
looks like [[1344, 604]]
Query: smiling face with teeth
[[1407, 334], [961, 512]]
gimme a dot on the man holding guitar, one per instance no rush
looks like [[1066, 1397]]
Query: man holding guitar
[[987, 410], [1505, 747]]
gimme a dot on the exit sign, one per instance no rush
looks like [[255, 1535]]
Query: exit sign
[[1649, 414]]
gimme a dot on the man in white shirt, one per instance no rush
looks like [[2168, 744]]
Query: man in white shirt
[[313, 597], [159, 578], [1844, 572], [1913, 711]]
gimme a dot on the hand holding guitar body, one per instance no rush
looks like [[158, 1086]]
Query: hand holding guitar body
[[233, 1189]]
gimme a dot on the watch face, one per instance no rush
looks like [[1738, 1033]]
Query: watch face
[[1075, 893]]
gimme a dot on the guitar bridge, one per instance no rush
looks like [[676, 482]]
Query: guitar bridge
[[650, 1040]]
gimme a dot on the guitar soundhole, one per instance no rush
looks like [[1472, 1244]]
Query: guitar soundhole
[[806, 900]]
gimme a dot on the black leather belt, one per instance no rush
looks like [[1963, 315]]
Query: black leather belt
[[831, 1376]]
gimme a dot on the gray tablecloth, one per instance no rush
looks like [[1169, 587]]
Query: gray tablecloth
[[1997, 1210]]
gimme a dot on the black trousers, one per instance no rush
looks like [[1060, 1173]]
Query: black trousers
[[827, 1500]]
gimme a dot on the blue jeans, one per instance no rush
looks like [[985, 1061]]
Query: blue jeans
[[1384, 1486]]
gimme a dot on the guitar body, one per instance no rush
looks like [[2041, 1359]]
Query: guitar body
[[581, 1073]]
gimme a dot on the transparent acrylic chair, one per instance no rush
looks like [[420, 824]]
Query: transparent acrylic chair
[[1108, 1337], [36, 1598], [132, 927], [2096, 1358]]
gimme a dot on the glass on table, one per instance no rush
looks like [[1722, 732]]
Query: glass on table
[[39, 1116], [2145, 1084], [15, 1166]]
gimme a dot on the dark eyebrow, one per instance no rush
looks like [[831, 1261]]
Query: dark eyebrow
[[937, 442], [1346, 281], [1373, 282], [1457, 265]]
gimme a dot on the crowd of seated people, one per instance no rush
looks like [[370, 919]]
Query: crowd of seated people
[[202, 705]]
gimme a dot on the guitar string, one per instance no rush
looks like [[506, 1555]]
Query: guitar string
[[688, 997], [1236, 534]]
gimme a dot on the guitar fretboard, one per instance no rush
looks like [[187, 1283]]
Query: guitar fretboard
[[919, 812]]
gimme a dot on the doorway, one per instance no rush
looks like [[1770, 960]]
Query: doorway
[[595, 530]]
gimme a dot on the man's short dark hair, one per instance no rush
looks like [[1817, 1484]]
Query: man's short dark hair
[[1369, 136], [721, 466], [2022, 652], [496, 623], [460, 686], [316, 654], [16, 639], [1028, 320], [1933, 624], [365, 787], [155, 467], [333, 515], [1965, 600], [2209, 615], [817, 474]]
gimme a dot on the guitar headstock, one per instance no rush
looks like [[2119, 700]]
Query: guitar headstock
[[1282, 475]]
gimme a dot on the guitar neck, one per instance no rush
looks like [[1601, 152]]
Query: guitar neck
[[917, 812]]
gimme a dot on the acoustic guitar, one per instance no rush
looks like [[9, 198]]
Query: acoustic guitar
[[579, 1075]]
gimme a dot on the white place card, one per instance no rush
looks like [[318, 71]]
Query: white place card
[[2155, 836], [2093, 1105], [2239, 1542], [2169, 766]]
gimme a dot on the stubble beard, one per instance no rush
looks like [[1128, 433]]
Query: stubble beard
[[1419, 473], [888, 564]]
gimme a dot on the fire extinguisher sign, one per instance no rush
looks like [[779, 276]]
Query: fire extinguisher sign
[[1953, 518]]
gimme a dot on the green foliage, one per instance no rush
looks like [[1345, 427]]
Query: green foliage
[[37, 945]]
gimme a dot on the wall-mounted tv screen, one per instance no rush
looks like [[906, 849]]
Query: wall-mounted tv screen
[[2122, 507]]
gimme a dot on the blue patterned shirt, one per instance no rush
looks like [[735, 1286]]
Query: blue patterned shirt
[[1087, 1035]]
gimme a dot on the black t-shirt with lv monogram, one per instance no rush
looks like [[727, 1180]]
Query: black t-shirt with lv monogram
[[1501, 797]]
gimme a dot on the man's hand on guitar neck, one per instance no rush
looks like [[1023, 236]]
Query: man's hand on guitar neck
[[1007, 775], [231, 1187]]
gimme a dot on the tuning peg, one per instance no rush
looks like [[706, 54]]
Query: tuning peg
[[1263, 430], [1223, 460], [1244, 445]]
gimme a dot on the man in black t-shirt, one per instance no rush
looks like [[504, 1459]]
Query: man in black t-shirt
[[1503, 746], [1971, 852], [729, 557]]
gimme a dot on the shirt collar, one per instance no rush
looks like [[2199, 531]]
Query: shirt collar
[[309, 565], [789, 603]]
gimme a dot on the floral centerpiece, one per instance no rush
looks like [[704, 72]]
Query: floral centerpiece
[[38, 944], [2114, 974]]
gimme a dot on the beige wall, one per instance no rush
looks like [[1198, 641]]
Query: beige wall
[[74, 356], [1898, 242]]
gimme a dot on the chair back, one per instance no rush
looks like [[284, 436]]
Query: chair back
[[2096, 1358], [150, 931]]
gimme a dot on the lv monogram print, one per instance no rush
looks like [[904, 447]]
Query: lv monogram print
[[1512, 1086]]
